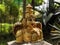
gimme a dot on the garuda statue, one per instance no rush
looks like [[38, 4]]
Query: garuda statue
[[28, 30]]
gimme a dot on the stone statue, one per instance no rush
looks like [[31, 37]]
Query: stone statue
[[28, 30]]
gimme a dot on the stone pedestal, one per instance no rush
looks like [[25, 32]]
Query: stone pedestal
[[36, 43]]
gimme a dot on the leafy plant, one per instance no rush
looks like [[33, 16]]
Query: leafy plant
[[5, 28]]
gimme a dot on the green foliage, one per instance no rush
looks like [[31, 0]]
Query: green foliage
[[37, 2], [29, 1], [8, 2], [2, 7], [6, 33], [56, 5], [9, 11], [14, 11], [5, 28]]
